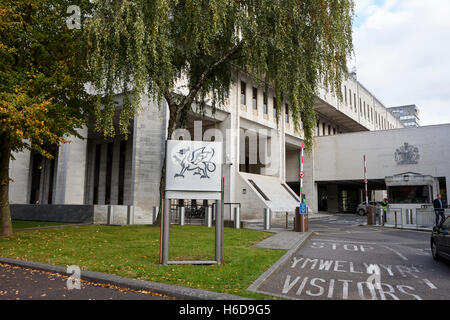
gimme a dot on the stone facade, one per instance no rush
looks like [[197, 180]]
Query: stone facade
[[97, 172]]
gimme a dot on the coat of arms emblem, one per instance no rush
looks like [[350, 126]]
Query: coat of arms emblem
[[407, 154]]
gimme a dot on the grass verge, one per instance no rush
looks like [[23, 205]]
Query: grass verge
[[133, 252]]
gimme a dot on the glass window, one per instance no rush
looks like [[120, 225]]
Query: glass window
[[265, 108], [243, 95], [287, 112], [345, 94], [409, 194], [255, 98], [274, 107]]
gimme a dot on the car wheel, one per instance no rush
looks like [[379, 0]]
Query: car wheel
[[434, 251], [361, 212]]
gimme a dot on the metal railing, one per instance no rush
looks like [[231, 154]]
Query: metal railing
[[193, 213], [421, 218]]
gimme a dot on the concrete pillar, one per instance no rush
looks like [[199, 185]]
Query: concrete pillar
[[71, 171], [227, 134], [19, 172], [115, 172], [127, 193], [282, 145], [90, 167], [147, 159], [309, 186], [234, 138], [102, 173]]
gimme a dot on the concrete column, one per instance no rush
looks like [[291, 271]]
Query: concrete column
[[70, 181], [149, 136], [228, 133], [127, 193], [309, 186], [102, 173], [90, 167], [282, 135], [19, 172], [115, 172], [45, 181]]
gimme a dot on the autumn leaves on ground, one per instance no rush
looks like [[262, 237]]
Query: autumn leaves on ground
[[133, 252]]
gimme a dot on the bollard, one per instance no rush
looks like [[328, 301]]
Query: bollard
[[374, 216], [287, 220], [237, 218], [267, 219], [208, 217], [395, 212], [182, 211], [155, 213], [380, 216]]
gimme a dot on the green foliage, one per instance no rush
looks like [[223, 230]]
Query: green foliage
[[143, 46], [42, 73]]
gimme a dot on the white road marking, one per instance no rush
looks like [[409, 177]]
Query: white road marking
[[351, 241], [430, 284], [396, 252], [347, 241]]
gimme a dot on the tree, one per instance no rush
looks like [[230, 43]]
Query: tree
[[42, 79], [142, 47]]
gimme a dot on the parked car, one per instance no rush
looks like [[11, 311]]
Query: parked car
[[362, 210], [440, 241]]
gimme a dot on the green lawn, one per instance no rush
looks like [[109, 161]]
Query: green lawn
[[19, 224], [133, 252]]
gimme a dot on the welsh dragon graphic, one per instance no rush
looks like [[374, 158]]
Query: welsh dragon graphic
[[198, 160]]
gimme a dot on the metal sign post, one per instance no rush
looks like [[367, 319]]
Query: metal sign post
[[302, 175], [366, 181], [193, 171]]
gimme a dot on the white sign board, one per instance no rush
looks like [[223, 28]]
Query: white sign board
[[193, 166]]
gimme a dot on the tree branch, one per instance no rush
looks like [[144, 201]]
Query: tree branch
[[187, 100]]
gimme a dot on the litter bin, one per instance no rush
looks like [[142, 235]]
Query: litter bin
[[371, 215], [300, 221]]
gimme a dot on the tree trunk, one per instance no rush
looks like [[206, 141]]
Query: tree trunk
[[174, 110], [5, 214]]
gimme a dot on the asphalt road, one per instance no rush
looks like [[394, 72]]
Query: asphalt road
[[343, 260], [17, 283]]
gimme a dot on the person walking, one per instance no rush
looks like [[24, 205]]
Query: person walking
[[439, 209]]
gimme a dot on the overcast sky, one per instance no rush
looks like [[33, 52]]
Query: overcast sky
[[402, 50]]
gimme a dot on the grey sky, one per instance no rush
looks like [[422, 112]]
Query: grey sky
[[402, 50]]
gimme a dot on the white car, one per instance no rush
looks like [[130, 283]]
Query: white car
[[361, 209]]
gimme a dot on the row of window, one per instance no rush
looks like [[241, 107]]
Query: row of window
[[366, 110], [265, 101], [331, 130]]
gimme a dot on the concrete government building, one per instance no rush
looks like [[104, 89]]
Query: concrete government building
[[117, 181]]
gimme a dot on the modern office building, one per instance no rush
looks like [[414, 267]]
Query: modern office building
[[118, 180], [408, 115]]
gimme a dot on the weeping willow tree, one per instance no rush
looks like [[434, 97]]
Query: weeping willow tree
[[142, 47]]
